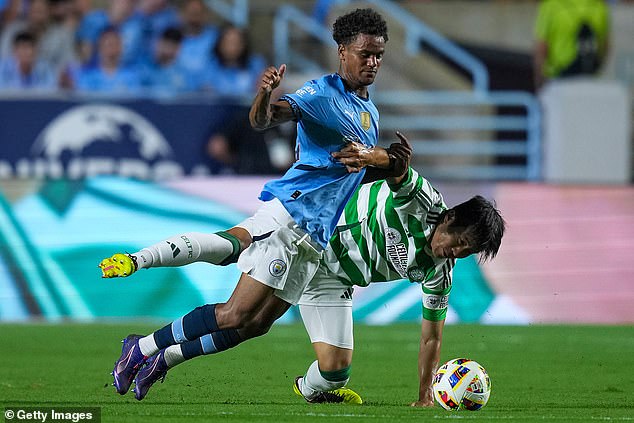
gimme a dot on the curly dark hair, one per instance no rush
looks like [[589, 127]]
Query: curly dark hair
[[361, 21]]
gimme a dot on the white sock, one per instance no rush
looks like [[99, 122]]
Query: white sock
[[184, 249], [313, 382], [173, 355], [147, 345]]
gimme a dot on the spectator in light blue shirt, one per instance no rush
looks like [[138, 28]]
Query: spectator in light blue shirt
[[120, 14], [23, 70], [233, 70], [109, 76], [200, 37], [165, 76]]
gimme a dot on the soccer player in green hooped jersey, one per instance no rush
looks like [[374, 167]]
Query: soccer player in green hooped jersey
[[399, 228], [392, 229]]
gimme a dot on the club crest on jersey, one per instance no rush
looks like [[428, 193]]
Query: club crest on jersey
[[366, 121], [396, 251], [277, 268], [416, 274]]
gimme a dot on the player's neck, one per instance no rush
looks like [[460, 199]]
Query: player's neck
[[359, 90]]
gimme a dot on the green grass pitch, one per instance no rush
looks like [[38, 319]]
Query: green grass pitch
[[538, 373]]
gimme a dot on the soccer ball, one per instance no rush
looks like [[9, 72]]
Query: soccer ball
[[462, 383]]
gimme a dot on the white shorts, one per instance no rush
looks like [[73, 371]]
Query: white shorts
[[286, 260], [328, 324], [326, 290], [326, 310], [270, 216]]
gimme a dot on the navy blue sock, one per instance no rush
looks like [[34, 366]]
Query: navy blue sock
[[198, 322], [211, 343]]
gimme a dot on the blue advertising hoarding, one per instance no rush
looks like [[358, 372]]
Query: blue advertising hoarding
[[143, 139]]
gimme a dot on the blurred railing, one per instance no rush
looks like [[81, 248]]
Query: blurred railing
[[523, 129], [416, 32], [290, 17]]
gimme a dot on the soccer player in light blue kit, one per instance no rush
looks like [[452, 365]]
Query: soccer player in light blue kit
[[298, 217]]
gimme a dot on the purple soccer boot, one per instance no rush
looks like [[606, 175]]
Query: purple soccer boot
[[155, 369], [128, 364]]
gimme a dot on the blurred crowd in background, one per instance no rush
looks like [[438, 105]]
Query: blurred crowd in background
[[173, 48], [153, 48], [131, 47]]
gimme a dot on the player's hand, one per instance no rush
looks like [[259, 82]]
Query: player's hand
[[355, 156], [271, 78], [401, 153]]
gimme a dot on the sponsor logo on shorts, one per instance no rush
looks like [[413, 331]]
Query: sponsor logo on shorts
[[277, 268], [347, 294]]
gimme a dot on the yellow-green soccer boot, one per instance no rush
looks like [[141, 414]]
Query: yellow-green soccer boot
[[118, 266], [341, 395]]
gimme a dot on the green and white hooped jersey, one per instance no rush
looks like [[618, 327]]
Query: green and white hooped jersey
[[383, 235]]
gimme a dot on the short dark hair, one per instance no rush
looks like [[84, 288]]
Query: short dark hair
[[483, 222], [361, 21], [24, 37]]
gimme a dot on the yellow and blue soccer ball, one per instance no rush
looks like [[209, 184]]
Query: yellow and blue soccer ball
[[462, 383]]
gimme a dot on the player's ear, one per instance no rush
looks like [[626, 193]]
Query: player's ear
[[340, 51]]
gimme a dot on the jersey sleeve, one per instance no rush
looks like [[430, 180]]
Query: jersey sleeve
[[436, 292], [310, 102]]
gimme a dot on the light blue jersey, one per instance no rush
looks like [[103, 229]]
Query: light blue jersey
[[317, 187]]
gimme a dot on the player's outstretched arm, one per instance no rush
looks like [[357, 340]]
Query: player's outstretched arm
[[263, 113], [428, 358]]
